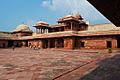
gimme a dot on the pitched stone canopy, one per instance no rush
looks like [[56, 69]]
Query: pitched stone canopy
[[41, 23], [68, 17]]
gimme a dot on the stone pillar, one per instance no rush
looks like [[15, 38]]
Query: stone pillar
[[48, 43], [40, 31], [44, 30], [71, 25], [40, 45], [55, 43], [47, 30]]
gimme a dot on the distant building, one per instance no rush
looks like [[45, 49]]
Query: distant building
[[71, 32]]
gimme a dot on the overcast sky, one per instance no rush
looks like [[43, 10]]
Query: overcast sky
[[15, 12]]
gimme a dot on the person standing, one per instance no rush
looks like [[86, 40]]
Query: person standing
[[13, 47]]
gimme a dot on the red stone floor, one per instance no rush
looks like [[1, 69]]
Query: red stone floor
[[48, 64]]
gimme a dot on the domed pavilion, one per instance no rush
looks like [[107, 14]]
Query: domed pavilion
[[22, 30]]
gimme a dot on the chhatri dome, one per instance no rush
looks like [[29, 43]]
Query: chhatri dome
[[69, 15], [22, 28], [41, 23]]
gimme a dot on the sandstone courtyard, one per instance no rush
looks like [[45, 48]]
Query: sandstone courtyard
[[51, 64]]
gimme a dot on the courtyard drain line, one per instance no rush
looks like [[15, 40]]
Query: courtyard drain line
[[71, 70]]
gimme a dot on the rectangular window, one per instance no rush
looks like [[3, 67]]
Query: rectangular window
[[109, 44], [82, 44]]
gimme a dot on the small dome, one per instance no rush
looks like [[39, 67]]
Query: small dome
[[23, 28]]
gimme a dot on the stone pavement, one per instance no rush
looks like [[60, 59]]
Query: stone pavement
[[43, 64], [106, 67]]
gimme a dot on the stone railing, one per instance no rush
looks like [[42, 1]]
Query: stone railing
[[62, 32]]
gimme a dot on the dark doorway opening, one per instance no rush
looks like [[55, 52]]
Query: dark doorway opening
[[77, 43], [52, 43], [82, 44], [26, 43], [3, 45], [109, 44], [10, 43], [118, 43], [60, 43], [17, 45], [45, 43]]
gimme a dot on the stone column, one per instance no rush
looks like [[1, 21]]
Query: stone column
[[40, 45], [40, 31], [55, 43], [36, 30], [44, 30], [47, 30], [71, 25], [48, 43]]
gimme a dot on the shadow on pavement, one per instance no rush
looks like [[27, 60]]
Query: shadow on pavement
[[108, 69]]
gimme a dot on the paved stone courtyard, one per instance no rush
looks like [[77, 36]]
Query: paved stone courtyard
[[43, 64]]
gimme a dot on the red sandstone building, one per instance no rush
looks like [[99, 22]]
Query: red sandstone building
[[71, 32]]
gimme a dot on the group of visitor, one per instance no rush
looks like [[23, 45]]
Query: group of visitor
[[34, 47]]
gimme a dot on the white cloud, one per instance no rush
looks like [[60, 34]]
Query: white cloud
[[86, 10]]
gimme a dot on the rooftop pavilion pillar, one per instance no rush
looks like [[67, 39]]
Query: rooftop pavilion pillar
[[41, 26], [46, 30], [71, 25], [40, 31], [43, 30], [36, 30]]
